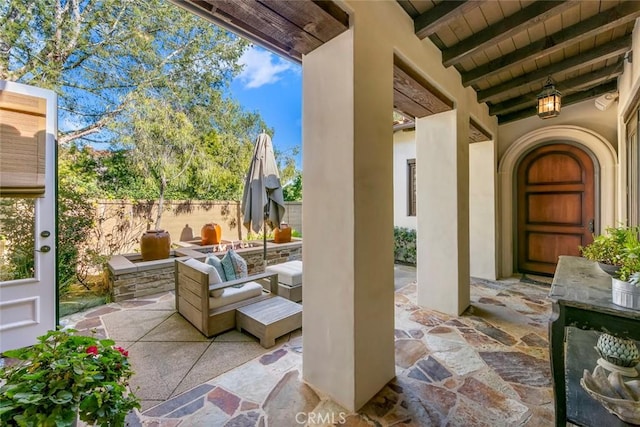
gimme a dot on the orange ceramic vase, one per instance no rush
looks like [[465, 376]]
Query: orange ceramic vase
[[282, 235], [211, 234], [155, 244]]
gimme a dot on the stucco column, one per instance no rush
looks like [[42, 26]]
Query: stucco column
[[442, 184], [482, 209], [348, 318]]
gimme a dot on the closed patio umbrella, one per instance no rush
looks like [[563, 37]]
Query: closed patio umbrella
[[262, 200]]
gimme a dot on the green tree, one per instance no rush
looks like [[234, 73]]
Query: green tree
[[293, 191], [162, 143], [100, 55]]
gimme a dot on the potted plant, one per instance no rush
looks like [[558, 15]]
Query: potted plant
[[625, 283], [607, 249], [66, 377]]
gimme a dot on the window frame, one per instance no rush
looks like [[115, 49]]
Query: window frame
[[411, 188]]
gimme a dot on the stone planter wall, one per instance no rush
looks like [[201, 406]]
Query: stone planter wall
[[131, 279]]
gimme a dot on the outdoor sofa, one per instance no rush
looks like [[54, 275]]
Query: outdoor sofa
[[214, 315]]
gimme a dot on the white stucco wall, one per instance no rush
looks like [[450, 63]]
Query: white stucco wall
[[404, 148], [348, 166], [482, 210]]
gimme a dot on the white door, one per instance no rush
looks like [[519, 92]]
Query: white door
[[28, 289]]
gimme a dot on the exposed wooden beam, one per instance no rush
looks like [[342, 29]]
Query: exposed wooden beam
[[597, 24], [566, 87], [209, 12], [408, 106], [529, 16], [415, 87], [477, 133], [568, 100], [275, 25], [435, 18], [310, 17], [608, 50], [409, 8], [254, 16]]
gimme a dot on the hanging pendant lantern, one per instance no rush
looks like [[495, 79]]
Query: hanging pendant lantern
[[549, 101]]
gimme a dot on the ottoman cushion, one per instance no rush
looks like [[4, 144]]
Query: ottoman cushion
[[289, 273]]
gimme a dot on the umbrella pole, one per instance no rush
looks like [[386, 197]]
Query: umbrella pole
[[264, 250], [266, 215]]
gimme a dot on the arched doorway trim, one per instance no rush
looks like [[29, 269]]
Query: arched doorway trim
[[592, 141]]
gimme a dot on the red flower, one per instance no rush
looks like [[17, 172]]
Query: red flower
[[92, 350], [122, 351]]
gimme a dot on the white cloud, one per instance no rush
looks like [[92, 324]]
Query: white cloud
[[261, 68]]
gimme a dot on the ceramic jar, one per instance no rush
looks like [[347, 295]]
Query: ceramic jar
[[155, 244], [211, 234]]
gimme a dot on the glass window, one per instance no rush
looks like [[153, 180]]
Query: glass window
[[633, 162], [17, 238], [411, 187]]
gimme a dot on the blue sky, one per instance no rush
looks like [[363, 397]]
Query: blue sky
[[273, 86]]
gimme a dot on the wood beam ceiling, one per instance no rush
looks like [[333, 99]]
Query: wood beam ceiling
[[578, 44], [605, 21], [502, 30], [609, 50], [427, 24]]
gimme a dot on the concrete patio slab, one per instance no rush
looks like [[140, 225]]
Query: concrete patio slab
[[131, 325], [235, 336], [219, 358], [161, 366], [174, 329]]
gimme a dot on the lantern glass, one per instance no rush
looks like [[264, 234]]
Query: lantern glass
[[549, 102]]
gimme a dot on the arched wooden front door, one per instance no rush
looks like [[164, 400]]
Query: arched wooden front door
[[556, 205]]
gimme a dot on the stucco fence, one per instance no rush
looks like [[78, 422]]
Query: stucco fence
[[182, 219]]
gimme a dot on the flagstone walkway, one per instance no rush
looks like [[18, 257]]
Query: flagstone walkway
[[488, 367]]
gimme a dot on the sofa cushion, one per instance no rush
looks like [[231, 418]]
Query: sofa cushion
[[215, 261], [232, 295], [235, 267], [289, 273]]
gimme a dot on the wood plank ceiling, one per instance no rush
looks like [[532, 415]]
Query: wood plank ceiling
[[507, 49]]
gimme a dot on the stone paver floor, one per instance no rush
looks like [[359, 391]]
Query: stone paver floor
[[488, 367]]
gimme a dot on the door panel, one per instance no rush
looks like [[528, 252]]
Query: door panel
[[555, 206], [28, 287], [547, 247]]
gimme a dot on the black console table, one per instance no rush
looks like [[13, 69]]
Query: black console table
[[581, 296]]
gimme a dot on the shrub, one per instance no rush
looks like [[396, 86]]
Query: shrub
[[404, 249], [65, 376]]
